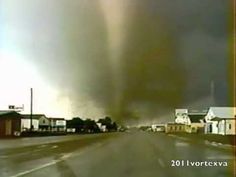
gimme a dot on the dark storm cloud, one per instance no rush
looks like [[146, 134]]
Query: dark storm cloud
[[170, 53], [173, 51]]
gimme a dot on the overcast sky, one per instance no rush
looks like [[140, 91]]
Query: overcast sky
[[131, 59]]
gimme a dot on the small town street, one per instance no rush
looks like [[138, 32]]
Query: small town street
[[128, 154]]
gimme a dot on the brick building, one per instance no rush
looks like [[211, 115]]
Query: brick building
[[10, 123]]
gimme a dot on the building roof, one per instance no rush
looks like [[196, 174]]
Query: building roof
[[174, 123], [56, 118], [220, 119], [196, 118], [195, 111], [34, 116], [181, 111], [3, 113], [224, 112]]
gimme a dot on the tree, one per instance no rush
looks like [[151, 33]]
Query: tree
[[90, 126], [107, 121], [114, 126], [76, 123]]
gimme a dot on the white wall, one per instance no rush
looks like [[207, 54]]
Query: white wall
[[181, 116], [182, 119], [221, 127], [209, 115], [58, 125], [214, 127], [25, 124], [230, 131], [227, 127], [44, 121], [60, 122]]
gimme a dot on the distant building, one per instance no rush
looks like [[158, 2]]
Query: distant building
[[26, 122], [175, 128], [39, 120], [193, 119], [101, 127], [196, 119], [181, 116], [70, 130], [181, 122], [44, 123], [57, 124], [221, 120], [10, 123], [158, 127]]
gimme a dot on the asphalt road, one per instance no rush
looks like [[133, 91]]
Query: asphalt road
[[134, 154]]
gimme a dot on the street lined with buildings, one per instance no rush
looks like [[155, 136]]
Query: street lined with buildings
[[195, 142], [213, 120]]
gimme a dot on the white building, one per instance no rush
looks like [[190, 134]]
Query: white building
[[26, 122], [181, 116], [57, 124], [101, 127], [196, 119], [44, 123], [221, 120], [158, 127], [40, 122], [193, 119]]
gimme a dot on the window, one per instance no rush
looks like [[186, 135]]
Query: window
[[229, 126]]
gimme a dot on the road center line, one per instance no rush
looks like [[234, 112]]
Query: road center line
[[37, 168], [64, 157]]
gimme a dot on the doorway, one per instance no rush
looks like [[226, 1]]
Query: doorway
[[8, 127]]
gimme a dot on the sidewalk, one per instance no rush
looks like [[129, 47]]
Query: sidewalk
[[30, 141], [220, 141]]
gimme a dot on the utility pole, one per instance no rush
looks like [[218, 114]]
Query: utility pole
[[31, 109]]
